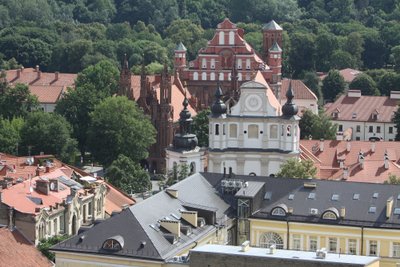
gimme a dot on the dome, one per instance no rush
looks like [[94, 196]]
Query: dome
[[219, 106], [185, 140]]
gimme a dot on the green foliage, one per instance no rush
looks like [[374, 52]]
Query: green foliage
[[49, 133], [128, 175], [317, 126], [200, 127], [365, 83], [392, 179], [396, 120], [395, 57], [390, 81], [118, 126], [333, 85], [178, 173], [16, 101], [45, 245], [311, 80], [302, 52], [293, 168], [10, 138]]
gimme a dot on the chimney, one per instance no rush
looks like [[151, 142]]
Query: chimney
[[373, 145], [321, 145], [290, 210], [190, 217], [245, 246], [348, 145], [39, 75], [37, 173], [341, 164], [345, 173], [361, 159], [354, 93], [389, 206], [37, 68], [172, 192], [174, 227], [56, 76], [18, 73], [42, 186], [47, 169], [10, 218], [342, 212], [386, 161]]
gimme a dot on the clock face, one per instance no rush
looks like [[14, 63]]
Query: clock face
[[253, 102]]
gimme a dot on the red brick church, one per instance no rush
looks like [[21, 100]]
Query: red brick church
[[228, 58]]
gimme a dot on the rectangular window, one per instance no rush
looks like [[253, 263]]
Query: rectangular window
[[373, 248], [233, 130], [296, 242], [90, 208], [371, 129], [273, 131], [253, 131], [340, 129], [358, 138], [396, 249], [243, 208], [352, 246], [55, 226], [378, 129], [216, 129], [62, 227], [313, 243], [332, 245], [223, 129], [358, 128], [390, 130]]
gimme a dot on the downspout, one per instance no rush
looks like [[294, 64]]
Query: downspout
[[362, 240], [288, 233]]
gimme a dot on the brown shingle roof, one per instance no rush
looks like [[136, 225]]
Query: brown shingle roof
[[30, 76], [348, 74], [362, 108], [301, 91], [47, 93], [17, 251]]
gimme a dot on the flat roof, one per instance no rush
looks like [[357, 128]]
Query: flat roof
[[286, 254]]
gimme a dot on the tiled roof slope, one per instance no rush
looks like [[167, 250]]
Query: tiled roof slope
[[301, 91], [374, 170], [17, 251], [363, 107], [348, 74], [29, 76]]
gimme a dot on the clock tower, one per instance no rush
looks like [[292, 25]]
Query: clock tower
[[256, 135]]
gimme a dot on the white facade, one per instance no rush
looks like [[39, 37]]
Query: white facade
[[254, 138], [363, 131], [195, 159], [303, 104]]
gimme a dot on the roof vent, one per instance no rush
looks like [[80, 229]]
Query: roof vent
[[190, 217], [272, 249], [310, 185], [245, 246], [313, 211], [172, 192], [201, 222], [321, 253]]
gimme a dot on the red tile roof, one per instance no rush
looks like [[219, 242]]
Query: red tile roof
[[361, 108], [348, 74], [116, 200], [17, 251], [301, 91], [29, 76], [47, 93], [327, 161]]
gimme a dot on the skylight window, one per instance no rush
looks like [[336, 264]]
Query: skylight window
[[356, 196], [335, 197], [398, 197], [396, 211], [311, 195], [268, 195], [372, 209], [291, 197], [375, 195]]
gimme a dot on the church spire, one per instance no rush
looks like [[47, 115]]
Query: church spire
[[289, 109], [219, 107], [185, 139]]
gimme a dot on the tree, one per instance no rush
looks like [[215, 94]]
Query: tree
[[317, 126], [395, 57], [365, 83], [396, 120], [302, 52], [390, 81], [10, 135], [117, 127], [178, 173], [333, 85], [92, 85], [200, 127], [49, 133], [17, 101], [311, 80], [45, 245], [128, 175], [326, 43], [392, 179], [293, 168]]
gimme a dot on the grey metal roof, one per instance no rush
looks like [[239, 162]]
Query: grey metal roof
[[250, 190], [275, 48], [180, 47], [272, 25]]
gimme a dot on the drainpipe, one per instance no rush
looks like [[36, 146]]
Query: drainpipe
[[288, 233], [362, 240]]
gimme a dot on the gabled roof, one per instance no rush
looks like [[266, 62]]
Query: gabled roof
[[333, 151], [47, 93], [301, 91], [29, 76], [348, 74], [361, 108], [17, 251], [275, 48], [180, 47], [272, 25]]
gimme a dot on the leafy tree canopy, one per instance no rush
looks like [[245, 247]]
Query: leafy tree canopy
[[317, 126], [293, 168], [10, 138], [200, 127], [16, 101], [117, 127], [128, 175], [365, 83], [333, 85]]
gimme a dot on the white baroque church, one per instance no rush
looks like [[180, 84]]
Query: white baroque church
[[256, 135]]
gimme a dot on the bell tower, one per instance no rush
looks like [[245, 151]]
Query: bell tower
[[272, 33]]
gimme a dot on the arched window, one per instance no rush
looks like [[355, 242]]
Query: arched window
[[229, 76], [239, 63], [221, 38], [289, 130], [248, 77], [204, 63], [195, 76], [204, 76], [231, 38], [278, 211], [221, 76], [114, 243], [271, 238], [216, 129], [248, 66], [329, 215], [212, 76], [240, 76], [212, 63]]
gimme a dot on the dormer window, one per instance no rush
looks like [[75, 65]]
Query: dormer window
[[115, 243], [354, 115], [331, 214], [280, 210], [374, 116]]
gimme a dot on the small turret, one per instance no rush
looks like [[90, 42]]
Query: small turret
[[180, 56], [185, 139], [272, 33], [289, 109], [219, 107]]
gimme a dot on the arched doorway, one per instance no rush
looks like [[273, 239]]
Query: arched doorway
[[74, 225]]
